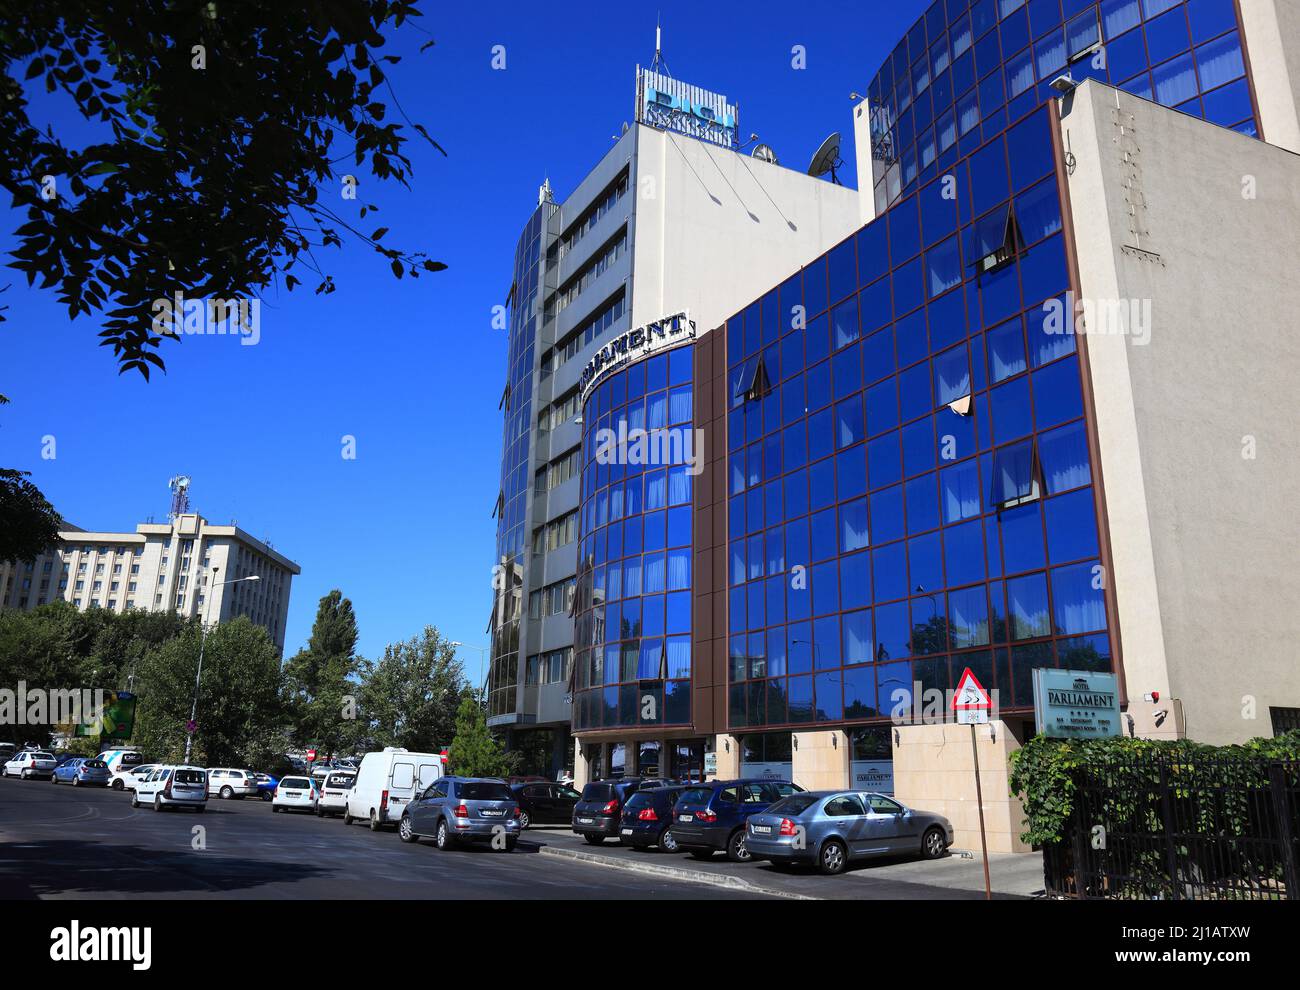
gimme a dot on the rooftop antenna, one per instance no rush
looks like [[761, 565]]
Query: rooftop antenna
[[659, 50], [827, 159], [180, 487]]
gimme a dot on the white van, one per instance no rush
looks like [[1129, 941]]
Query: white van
[[122, 759], [387, 782]]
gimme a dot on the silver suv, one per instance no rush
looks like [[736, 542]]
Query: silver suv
[[463, 809]]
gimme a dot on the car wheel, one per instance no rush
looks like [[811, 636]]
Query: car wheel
[[737, 851], [267, 796], [595, 840], [405, 832], [116, 785], [524, 821], [55, 780], [443, 837], [668, 842], [347, 816], [832, 860], [705, 854], [320, 812], [200, 808], [76, 781], [24, 775], [374, 822], [135, 800], [932, 843], [157, 802], [227, 793]]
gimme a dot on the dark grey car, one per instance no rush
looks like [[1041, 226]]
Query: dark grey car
[[830, 828], [463, 809]]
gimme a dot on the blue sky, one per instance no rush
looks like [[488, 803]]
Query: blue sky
[[412, 370]]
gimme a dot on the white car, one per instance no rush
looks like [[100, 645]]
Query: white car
[[334, 793], [31, 763], [229, 783], [295, 794], [387, 782], [125, 780], [172, 787]]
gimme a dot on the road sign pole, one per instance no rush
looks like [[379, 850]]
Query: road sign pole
[[979, 802]]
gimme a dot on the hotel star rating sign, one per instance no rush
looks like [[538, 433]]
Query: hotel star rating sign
[[971, 702]]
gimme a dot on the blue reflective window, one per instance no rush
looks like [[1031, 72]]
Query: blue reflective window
[[884, 461], [1012, 414], [1049, 54], [1027, 606], [1006, 350], [1119, 16], [959, 485], [873, 251], [893, 633], [1210, 17], [1229, 104], [904, 231], [1077, 599], [951, 375], [1167, 35], [1057, 393], [844, 322], [889, 571], [1038, 211], [1220, 62], [990, 181], [822, 482], [1071, 526], [851, 474], [1175, 81], [963, 547], [847, 371], [878, 355], [1063, 457], [842, 270], [925, 562], [1013, 473], [1022, 538], [943, 267], [830, 706]]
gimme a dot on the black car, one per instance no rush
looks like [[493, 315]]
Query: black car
[[599, 810], [648, 818], [544, 803], [711, 817]]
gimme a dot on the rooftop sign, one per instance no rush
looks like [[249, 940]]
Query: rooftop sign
[[671, 105]]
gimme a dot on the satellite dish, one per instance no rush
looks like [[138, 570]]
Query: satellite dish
[[827, 159], [764, 153]]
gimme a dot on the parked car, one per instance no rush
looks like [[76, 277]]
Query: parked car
[[126, 779], [228, 783], [30, 763], [544, 803], [387, 782], [462, 809], [334, 792], [599, 809], [711, 817], [648, 818], [7, 751], [82, 770], [172, 787], [265, 785], [295, 794], [832, 828]]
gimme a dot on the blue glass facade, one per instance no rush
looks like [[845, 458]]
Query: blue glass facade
[[968, 69], [633, 600], [911, 494]]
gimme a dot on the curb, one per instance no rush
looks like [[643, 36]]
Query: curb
[[671, 872]]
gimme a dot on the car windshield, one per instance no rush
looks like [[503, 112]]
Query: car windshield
[[189, 777], [43, 756], [795, 804], [294, 782], [96, 764], [638, 800], [485, 792], [697, 795], [597, 792]]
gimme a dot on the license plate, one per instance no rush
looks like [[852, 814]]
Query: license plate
[[627, 831], [761, 829], [486, 813], [293, 794], [586, 821], [686, 818]]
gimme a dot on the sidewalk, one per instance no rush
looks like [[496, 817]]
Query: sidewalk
[[951, 878]]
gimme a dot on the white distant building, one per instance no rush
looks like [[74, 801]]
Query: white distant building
[[160, 567]]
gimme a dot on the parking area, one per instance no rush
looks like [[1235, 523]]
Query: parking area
[[61, 842]]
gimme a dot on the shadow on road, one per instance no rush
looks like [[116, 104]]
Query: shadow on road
[[61, 866]]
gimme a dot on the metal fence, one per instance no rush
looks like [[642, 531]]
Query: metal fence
[[1178, 828]]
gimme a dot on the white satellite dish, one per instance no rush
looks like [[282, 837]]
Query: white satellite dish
[[764, 153]]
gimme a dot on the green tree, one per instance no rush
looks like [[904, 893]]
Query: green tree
[[474, 751], [226, 143], [410, 697], [319, 678], [241, 718]]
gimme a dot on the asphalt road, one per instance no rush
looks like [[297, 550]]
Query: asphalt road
[[60, 842]]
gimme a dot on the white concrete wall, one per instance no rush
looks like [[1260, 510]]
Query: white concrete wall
[[716, 229], [1272, 29], [1205, 224]]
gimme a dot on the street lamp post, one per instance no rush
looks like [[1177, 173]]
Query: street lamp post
[[486, 664], [203, 639]]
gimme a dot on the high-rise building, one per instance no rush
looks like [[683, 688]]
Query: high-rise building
[[671, 230], [1032, 415], [187, 566]]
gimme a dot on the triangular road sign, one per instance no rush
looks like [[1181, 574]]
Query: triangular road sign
[[970, 693]]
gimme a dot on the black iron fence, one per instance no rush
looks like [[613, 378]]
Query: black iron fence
[[1180, 828]]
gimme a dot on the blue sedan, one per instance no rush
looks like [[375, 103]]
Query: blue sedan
[[830, 828], [82, 770], [266, 785]]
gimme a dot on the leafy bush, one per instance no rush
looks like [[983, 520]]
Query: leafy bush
[[1044, 773]]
